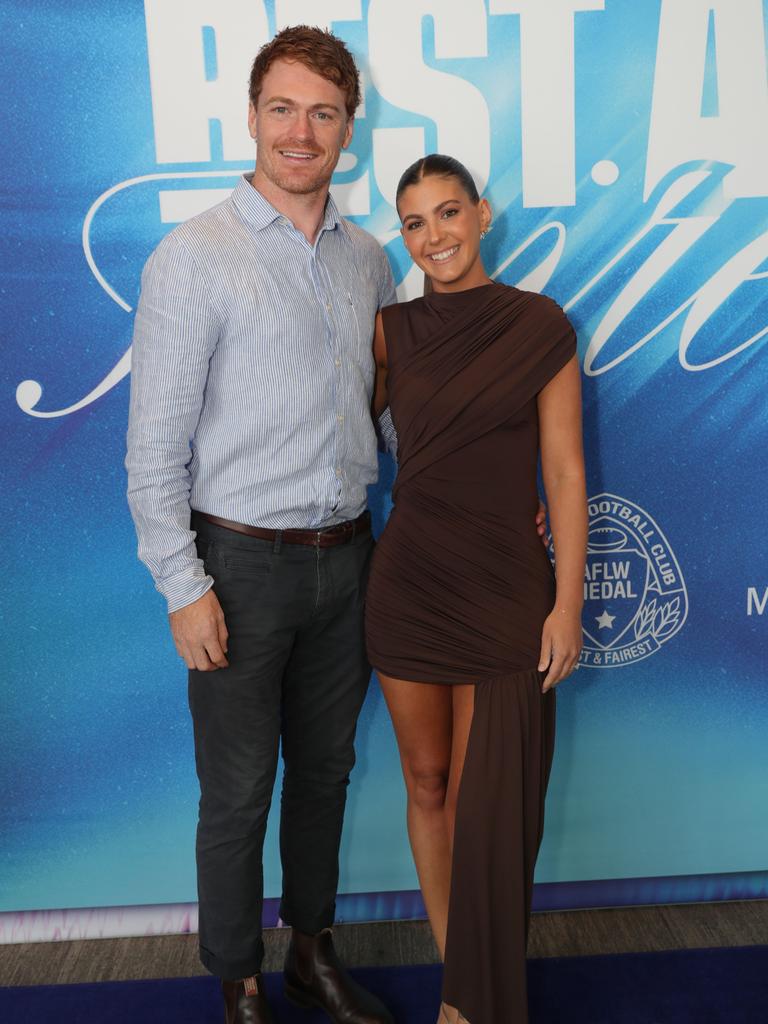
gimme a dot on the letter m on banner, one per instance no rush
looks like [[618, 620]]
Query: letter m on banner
[[755, 603]]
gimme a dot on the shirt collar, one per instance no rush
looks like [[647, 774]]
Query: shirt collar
[[260, 213]]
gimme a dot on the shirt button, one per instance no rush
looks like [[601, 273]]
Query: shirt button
[[340, 418], [337, 362], [328, 306], [338, 472]]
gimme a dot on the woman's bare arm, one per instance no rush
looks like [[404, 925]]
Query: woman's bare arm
[[380, 398], [562, 462]]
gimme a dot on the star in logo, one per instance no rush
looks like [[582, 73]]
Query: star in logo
[[604, 621]]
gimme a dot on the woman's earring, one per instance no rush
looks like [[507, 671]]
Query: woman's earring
[[485, 231]]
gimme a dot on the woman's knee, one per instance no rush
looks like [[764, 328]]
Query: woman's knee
[[427, 786]]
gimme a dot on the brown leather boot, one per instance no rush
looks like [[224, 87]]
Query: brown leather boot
[[245, 1002], [314, 976]]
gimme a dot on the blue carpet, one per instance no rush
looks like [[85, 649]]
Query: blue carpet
[[713, 986]]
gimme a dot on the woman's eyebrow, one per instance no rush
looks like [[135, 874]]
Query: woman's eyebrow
[[436, 209]]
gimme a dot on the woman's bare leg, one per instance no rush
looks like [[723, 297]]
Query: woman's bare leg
[[432, 724], [422, 714], [463, 710]]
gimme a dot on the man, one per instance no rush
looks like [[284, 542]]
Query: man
[[250, 449]]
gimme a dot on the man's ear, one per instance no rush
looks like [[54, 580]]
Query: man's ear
[[348, 131], [252, 120]]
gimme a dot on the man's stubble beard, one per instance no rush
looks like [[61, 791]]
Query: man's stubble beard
[[302, 188], [297, 186]]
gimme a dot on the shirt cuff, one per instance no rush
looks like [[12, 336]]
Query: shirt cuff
[[184, 588]]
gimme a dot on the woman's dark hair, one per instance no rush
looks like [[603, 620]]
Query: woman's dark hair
[[444, 167]]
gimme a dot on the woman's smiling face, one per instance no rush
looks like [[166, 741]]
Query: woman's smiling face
[[441, 227]]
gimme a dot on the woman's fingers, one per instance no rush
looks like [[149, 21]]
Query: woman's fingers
[[545, 657], [556, 672], [561, 666]]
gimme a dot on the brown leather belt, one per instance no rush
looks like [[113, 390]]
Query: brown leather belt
[[327, 538]]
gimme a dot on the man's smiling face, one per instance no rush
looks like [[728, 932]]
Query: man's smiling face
[[301, 125]]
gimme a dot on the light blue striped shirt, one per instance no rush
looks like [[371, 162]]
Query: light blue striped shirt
[[252, 374]]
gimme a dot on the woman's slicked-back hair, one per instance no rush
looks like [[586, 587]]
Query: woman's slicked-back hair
[[318, 50], [442, 166]]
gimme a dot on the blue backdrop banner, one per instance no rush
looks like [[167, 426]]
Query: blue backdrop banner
[[624, 150]]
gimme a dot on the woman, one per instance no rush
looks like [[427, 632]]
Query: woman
[[466, 625]]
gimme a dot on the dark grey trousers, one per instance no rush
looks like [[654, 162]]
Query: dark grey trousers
[[298, 676]]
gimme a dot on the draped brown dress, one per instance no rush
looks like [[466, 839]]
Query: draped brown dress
[[459, 590]]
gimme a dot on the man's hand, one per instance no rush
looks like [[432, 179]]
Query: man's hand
[[200, 633], [541, 523]]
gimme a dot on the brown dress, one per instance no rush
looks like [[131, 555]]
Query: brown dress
[[460, 586]]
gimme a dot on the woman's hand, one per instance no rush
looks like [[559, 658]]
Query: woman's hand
[[561, 640], [541, 523]]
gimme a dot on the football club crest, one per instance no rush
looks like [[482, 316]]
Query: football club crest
[[635, 598]]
